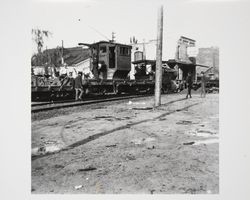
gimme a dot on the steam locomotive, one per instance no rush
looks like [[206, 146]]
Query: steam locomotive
[[108, 72]]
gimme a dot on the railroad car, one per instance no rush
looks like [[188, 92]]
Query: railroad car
[[110, 65]]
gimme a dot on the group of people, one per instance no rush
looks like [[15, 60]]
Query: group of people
[[189, 82]]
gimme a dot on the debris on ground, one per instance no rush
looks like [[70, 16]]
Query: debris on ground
[[50, 142], [201, 133], [136, 103], [184, 122], [188, 143], [45, 150], [87, 169], [151, 147], [138, 141], [112, 145], [130, 157], [77, 187], [103, 117], [206, 131], [209, 141], [58, 166], [143, 108]]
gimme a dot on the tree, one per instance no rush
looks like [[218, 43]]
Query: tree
[[38, 37]]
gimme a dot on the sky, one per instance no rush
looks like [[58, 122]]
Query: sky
[[75, 21]]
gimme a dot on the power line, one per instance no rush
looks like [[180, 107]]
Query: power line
[[99, 32]]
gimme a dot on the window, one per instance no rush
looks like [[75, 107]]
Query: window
[[103, 49], [124, 51]]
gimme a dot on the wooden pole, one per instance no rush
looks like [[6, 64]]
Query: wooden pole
[[62, 60], [158, 69]]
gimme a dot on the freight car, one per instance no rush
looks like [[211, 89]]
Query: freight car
[[110, 65]]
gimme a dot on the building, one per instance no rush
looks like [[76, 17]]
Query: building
[[62, 60], [184, 49], [145, 50], [210, 57]]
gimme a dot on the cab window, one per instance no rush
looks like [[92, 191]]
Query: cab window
[[103, 49], [124, 51]]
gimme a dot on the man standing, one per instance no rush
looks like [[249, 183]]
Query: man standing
[[189, 82], [78, 86], [203, 84]]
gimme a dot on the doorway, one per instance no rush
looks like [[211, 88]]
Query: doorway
[[111, 57]]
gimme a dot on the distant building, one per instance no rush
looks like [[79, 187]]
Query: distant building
[[185, 58], [83, 66], [145, 50], [185, 49], [210, 57], [63, 61]]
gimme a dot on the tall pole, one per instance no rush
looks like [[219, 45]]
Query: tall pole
[[144, 50], [113, 36], [62, 54], [158, 69]]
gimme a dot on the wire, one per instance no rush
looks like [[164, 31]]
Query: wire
[[99, 32]]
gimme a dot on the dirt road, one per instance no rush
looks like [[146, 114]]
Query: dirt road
[[129, 147]]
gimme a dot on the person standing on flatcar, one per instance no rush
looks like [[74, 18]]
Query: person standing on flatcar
[[189, 82], [78, 87]]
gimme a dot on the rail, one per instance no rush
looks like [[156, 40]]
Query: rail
[[45, 106]]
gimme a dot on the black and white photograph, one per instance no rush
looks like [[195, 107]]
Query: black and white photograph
[[125, 98], [132, 97]]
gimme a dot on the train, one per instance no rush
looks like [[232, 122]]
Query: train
[[109, 69]]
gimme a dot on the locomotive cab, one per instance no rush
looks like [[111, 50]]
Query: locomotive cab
[[110, 61]]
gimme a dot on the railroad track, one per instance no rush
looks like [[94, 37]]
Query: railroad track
[[45, 106], [95, 97]]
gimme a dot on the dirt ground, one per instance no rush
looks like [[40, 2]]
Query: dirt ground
[[129, 147]]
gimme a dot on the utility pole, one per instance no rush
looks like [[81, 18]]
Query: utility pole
[[113, 37], [62, 54], [158, 69], [144, 50]]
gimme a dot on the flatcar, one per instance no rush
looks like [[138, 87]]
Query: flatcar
[[110, 65]]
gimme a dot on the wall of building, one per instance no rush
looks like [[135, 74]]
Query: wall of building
[[84, 67], [210, 57], [149, 53]]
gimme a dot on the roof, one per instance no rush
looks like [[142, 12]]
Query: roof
[[173, 61], [151, 62], [71, 56], [104, 42], [182, 37], [75, 55]]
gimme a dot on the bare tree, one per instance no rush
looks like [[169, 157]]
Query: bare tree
[[38, 36]]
